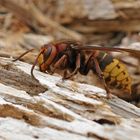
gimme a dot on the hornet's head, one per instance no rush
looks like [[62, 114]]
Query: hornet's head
[[46, 56]]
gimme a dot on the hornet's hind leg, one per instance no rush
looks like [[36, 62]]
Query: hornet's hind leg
[[92, 61], [101, 76]]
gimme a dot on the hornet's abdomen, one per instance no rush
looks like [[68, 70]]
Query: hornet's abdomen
[[115, 73]]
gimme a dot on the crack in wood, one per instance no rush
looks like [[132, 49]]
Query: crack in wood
[[12, 76]]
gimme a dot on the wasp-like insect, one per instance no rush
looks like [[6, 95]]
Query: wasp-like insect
[[71, 56]]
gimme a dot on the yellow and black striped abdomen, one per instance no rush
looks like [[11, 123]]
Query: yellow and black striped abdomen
[[116, 75], [114, 72]]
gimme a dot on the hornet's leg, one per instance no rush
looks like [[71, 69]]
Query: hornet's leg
[[66, 76], [59, 63], [101, 76]]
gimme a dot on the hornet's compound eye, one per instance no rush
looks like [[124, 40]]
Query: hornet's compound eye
[[47, 53]]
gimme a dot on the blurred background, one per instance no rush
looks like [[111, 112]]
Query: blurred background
[[26, 24]]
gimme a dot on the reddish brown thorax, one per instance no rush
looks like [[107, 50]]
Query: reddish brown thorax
[[61, 47]]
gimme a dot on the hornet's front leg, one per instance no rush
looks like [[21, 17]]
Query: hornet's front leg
[[59, 63], [67, 76]]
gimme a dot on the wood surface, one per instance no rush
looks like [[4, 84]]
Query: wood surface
[[54, 109]]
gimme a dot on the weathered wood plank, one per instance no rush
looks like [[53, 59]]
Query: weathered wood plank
[[65, 110]]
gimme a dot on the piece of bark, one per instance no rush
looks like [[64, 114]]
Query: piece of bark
[[66, 110]]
